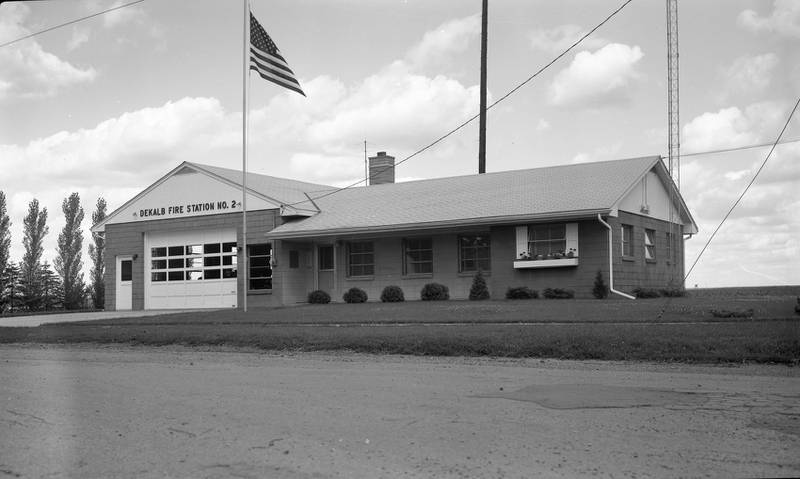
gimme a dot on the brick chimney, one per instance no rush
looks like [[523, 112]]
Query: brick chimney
[[381, 169]]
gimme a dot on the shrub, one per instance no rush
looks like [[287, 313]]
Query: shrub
[[673, 292], [521, 292], [355, 295], [392, 294], [319, 297], [434, 292], [558, 293], [724, 313], [600, 290], [478, 290], [645, 293]]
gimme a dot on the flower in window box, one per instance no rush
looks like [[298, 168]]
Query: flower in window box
[[571, 253], [557, 255], [524, 256]]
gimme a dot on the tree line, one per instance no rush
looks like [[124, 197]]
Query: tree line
[[36, 285]]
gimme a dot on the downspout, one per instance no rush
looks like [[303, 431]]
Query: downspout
[[611, 261]]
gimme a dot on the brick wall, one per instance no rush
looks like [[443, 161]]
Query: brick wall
[[389, 269], [127, 239], [636, 271], [593, 255]]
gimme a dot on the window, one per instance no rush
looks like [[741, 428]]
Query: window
[[326, 258], [360, 258], [473, 253], [650, 244], [627, 240], [260, 256], [126, 270], [547, 239], [418, 256], [189, 262]]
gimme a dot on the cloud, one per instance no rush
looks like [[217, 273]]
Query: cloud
[[29, 71], [761, 232], [79, 37], [784, 20], [731, 127], [440, 44], [749, 75], [542, 125], [133, 14], [556, 40], [605, 77], [135, 144], [398, 105]]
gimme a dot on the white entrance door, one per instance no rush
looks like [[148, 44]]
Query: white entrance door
[[124, 283]]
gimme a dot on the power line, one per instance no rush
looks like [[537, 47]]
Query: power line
[[473, 118], [736, 203], [71, 22], [738, 148]]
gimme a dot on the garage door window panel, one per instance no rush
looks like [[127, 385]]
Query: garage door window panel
[[196, 262], [194, 275], [175, 275]]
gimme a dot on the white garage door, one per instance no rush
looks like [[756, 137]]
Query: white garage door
[[188, 270]]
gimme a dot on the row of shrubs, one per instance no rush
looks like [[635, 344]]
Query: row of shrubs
[[479, 291], [390, 294]]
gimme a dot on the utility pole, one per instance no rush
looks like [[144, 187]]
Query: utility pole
[[482, 127]]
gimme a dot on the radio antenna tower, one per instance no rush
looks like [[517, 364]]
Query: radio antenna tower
[[673, 97], [674, 137]]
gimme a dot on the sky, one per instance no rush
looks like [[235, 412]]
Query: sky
[[107, 106]]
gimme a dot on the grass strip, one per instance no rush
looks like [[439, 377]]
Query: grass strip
[[773, 341]]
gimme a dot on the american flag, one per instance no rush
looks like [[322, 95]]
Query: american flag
[[266, 59]]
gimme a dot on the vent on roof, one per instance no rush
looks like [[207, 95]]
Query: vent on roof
[[381, 169]]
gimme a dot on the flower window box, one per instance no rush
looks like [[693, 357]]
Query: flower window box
[[545, 263]]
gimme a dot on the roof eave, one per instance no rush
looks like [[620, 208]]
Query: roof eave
[[435, 225]]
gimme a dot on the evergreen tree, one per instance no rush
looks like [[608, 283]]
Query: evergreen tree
[[97, 253], [52, 289], [600, 290], [478, 291], [68, 263], [11, 292], [5, 247], [35, 229]]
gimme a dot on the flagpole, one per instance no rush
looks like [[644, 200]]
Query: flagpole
[[245, 108]]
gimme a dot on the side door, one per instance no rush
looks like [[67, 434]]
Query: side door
[[124, 283]]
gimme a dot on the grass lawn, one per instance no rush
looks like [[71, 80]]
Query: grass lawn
[[677, 329]]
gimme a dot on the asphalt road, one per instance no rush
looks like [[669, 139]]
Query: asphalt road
[[156, 412]]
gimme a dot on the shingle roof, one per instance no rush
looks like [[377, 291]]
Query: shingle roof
[[559, 191], [282, 190]]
